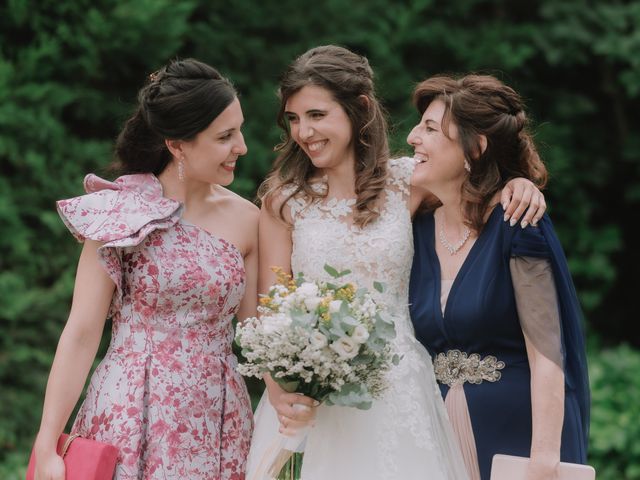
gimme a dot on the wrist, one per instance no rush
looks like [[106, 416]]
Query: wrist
[[547, 457], [46, 443]]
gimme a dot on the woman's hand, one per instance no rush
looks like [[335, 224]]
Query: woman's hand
[[518, 195], [49, 467], [294, 411], [543, 468]]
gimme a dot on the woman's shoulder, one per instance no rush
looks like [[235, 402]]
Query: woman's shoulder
[[530, 241], [237, 202], [401, 166], [399, 171]]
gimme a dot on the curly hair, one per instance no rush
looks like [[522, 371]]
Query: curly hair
[[348, 77], [483, 105]]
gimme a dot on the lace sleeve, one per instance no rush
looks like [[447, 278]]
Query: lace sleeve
[[400, 171], [295, 204], [537, 303]]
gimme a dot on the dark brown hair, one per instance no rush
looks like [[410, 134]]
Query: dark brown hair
[[177, 102], [347, 77], [483, 105]]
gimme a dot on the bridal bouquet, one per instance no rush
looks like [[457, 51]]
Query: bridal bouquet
[[327, 340]]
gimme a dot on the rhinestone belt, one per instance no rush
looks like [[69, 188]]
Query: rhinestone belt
[[456, 367]]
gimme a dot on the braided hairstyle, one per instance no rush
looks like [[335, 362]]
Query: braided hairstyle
[[347, 76], [483, 105], [177, 102]]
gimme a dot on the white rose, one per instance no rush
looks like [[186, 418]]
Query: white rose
[[345, 347], [307, 289], [360, 334], [312, 303], [335, 305], [317, 340]]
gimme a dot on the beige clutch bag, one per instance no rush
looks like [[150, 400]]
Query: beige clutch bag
[[509, 467]]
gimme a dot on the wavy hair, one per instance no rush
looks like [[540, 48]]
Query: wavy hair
[[347, 77], [483, 105]]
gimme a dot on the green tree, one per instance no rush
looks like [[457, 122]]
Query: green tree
[[70, 69]]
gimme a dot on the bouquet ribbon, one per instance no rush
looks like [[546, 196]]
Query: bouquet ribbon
[[270, 451]]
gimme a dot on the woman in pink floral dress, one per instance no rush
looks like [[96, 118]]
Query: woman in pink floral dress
[[171, 256]]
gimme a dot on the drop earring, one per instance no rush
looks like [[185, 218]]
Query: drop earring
[[467, 167], [181, 170]]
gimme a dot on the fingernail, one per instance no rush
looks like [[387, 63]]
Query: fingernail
[[524, 224], [506, 217], [534, 224], [316, 403], [513, 221], [504, 206]]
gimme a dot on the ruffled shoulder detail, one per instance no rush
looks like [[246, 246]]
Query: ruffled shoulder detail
[[119, 213]]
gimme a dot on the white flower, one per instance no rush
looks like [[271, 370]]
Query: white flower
[[307, 289], [273, 323], [345, 347], [317, 340], [281, 290], [334, 306], [360, 334], [312, 303]]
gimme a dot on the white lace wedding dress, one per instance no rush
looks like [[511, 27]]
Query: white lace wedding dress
[[406, 434]]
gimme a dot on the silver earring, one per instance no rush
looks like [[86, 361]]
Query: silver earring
[[467, 167], [181, 170]]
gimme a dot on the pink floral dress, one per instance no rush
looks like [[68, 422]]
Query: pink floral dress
[[166, 393]]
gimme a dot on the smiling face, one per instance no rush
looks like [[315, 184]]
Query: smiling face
[[440, 157], [211, 156], [321, 127]]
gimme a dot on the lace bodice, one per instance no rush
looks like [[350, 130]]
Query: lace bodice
[[405, 433], [381, 251]]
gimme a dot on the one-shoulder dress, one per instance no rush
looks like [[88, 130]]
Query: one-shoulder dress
[[166, 393]]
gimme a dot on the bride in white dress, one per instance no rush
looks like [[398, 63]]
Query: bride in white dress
[[334, 198]]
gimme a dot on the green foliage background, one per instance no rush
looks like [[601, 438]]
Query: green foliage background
[[70, 69]]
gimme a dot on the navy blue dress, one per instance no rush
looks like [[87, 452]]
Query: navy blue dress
[[481, 317]]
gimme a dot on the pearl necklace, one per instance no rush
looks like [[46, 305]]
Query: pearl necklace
[[453, 249]]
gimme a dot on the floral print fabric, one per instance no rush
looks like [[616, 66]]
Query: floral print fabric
[[166, 393]]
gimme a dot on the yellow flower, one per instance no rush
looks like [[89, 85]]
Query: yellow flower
[[282, 277], [323, 310], [346, 293], [265, 301]]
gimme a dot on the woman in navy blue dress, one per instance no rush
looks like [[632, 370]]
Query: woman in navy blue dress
[[494, 302]]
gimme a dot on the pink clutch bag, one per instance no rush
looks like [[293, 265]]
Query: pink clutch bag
[[509, 467], [84, 459]]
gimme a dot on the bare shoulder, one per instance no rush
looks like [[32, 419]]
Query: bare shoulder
[[237, 203]]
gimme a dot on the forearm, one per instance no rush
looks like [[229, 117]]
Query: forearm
[[547, 405], [72, 363], [537, 304]]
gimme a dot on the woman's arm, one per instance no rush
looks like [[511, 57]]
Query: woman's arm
[[537, 306], [519, 196], [276, 246], [76, 351], [249, 302], [274, 238]]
